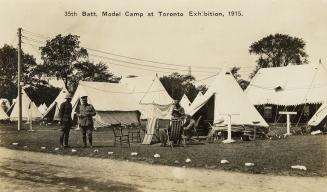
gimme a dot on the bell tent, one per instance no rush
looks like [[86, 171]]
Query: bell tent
[[52, 112], [29, 109], [225, 97]]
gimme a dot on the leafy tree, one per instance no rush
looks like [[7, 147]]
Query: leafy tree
[[8, 70], [9, 65], [243, 83], [278, 50], [59, 56], [177, 85], [88, 71]]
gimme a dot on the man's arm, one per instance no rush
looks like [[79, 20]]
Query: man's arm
[[92, 111]]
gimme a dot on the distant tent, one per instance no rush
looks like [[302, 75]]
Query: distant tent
[[319, 119], [185, 102], [3, 115], [224, 97], [113, 102], [154, 102], [42, 108], [53, 110], [196, 100], [29, 109]]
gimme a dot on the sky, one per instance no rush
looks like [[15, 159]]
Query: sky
[[207, 44]]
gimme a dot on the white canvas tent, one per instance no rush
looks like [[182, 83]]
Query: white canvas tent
[[150, 93], [52, 111], [229, 98], [320, 116], [113, 102], [289, 86], [29, 109], [185, 103], [154, 102], [194, 103], [3, 114]]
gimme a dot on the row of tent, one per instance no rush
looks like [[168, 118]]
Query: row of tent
[[146, 97]]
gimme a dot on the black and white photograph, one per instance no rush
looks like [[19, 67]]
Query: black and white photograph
[[162, 96]]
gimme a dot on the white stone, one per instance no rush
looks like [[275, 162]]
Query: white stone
[[300, 167], [14, 143], [110, 153], [156, 155], [249, 164], [74, 150], [188, 160], [43, 148], [134, 154], [224, 161]]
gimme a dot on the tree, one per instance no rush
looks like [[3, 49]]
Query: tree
[[235, 73], [60, 54], [278, 50], [202, 88], [8, 70], [9, 65], [243, 83], [177, 85], [88, 71]]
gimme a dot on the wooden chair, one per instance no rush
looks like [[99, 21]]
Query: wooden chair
[[175, 133], [120, 136], [134, 133]]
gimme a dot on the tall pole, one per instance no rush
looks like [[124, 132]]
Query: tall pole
[[19, 79]]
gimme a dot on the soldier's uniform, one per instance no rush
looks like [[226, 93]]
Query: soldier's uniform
[[65, 111], [85, 114]]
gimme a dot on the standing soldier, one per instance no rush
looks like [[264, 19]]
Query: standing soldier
[[65, 112], [85, 113]]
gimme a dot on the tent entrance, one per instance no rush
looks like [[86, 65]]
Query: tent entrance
[[207, 112]]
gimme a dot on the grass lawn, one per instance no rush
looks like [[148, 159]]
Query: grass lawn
[[269, 156]]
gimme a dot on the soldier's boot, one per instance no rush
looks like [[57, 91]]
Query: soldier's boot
[[84, 140], [61, 140], [90, 139]]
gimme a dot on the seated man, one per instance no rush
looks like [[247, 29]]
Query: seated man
[[188, 127]]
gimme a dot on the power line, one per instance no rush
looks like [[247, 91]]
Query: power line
[[139, 64], [33, 40], [38, 35], [145, 60], [139, 68]]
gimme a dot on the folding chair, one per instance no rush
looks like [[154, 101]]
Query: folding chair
[[120, 136], [175, 133]]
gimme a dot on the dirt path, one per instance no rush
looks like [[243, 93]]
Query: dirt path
[[30, 171]]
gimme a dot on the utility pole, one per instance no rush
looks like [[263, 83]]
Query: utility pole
[[19, 79], [189, 70]]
